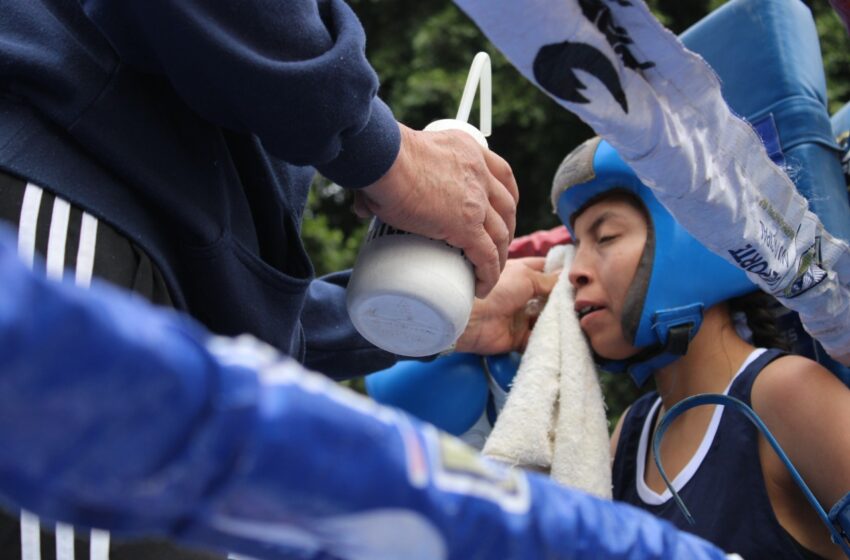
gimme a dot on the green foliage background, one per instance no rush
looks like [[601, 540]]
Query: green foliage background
[[422, 51]]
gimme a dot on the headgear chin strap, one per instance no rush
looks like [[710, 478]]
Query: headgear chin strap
[[677, 277]]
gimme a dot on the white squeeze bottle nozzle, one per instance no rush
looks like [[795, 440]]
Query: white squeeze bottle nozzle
[[408, 294]]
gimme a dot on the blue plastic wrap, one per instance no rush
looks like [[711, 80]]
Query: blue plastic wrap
[[767, 56]]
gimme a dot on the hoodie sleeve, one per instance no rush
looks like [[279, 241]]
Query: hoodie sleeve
[[292, 72]]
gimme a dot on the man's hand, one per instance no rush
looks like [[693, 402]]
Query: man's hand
[[502, 322], [444, 185]]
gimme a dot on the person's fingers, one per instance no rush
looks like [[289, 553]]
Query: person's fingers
[[534, 263], [361, 205], [534, 306], [484, 256], [523, 343], [504, 192], [543, 283], [519, 331], [499, 233], [504, 204], [502, 171]]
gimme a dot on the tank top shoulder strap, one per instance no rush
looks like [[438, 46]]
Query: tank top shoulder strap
[[742, 386], [636, 416], [623, 469]]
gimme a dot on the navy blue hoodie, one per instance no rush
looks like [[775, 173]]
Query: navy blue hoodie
[[194, 127]]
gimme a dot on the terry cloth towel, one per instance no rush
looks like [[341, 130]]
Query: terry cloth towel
[[554, 419], [660, 106]]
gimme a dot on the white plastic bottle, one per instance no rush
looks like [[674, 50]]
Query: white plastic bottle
[[409, 294]]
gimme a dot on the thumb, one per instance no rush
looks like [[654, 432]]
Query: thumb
[[541, 285], [361, 205], [544, 282]]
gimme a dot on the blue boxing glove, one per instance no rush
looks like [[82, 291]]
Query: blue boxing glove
[[460, 393]]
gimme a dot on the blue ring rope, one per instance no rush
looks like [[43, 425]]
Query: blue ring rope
[[717, 399]]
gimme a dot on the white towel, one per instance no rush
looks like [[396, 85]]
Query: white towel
[[554, 419]]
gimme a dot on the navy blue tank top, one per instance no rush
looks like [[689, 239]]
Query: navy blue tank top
[[722, 485]]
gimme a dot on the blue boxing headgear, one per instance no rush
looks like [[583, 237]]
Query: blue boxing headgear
[[677, 277]]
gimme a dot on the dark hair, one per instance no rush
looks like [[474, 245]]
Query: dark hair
[[762, 312]]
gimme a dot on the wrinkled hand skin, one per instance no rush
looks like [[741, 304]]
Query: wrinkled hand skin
[[444, 185], [500, 323]]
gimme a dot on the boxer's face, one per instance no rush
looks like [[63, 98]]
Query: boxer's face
[[610, 236]]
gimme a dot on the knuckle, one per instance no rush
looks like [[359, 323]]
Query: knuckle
[[502, 236], [506, 171], [506, 174], [493, 258], [510, 207], [472, 211]]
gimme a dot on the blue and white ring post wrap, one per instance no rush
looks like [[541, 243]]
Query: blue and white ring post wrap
[[616, 67]]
